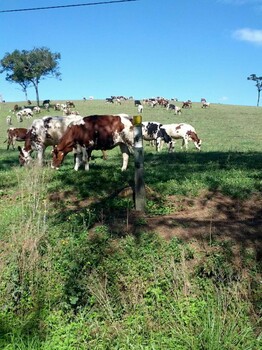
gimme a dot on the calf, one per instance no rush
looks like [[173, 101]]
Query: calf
[[183, 131], [98, 132], [9, 120], [15, 134]]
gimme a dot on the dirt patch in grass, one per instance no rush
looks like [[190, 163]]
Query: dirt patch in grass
[[210, 217], [204, 219]]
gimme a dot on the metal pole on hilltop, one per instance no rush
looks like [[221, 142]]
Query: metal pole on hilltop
[[139, 164]]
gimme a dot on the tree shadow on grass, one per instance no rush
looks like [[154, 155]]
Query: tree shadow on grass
[[101, 191]]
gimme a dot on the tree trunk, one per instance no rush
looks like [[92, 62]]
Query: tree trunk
[[35, 83], [25, 92], [258, 97]]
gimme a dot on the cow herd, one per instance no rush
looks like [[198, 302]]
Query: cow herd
[[82, 135]]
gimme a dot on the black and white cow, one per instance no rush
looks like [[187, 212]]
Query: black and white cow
[[150, 132]]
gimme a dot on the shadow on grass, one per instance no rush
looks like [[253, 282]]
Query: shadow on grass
[[234, 174]]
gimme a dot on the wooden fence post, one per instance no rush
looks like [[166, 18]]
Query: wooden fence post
[[139, 164]]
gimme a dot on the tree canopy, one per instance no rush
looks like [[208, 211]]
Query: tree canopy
[[258, 81], [27, 68]]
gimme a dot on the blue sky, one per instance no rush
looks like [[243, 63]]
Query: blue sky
[[186, 49]]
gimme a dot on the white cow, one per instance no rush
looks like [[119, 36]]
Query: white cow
[[140, 108], [27, 112], [9, 120], [37, 109], [205, 104]]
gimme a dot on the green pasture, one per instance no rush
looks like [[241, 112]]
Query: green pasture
[[230, 160], [72, 280]]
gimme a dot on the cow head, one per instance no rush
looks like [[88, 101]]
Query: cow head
[[24, 156], [193, 136], [58, 157]]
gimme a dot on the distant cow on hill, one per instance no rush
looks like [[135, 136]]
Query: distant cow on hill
[[187, 104]]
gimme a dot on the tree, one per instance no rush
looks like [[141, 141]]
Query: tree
[[27, 68], [258, 81]]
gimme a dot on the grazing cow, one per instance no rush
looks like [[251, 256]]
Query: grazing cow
[[16, 108], [9, 120], [26, 112], [182, 131], [43, 133], [57, 107], [187, 104], [99, 132], [37, 109], [19, 117], [46, 102], [15, 134], [70, 104], [140, 108], [205, 104], [137, 103], [174, 108], [109, 100]]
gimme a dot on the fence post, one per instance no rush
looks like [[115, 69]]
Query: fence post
[[139, 164]]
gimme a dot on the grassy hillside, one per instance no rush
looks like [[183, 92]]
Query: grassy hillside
[[81, 269]]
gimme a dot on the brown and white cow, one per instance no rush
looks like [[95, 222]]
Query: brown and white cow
[[187, 104], [99, 132], [15, 134], [45, 132], [183, 131]]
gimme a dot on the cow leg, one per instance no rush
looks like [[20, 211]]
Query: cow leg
[[171, 146], [159, 144], [125, 154], [86, 158], [104, 155], [40, 155], [77, 160], [8, 143], [80, 157], [185, 143]]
